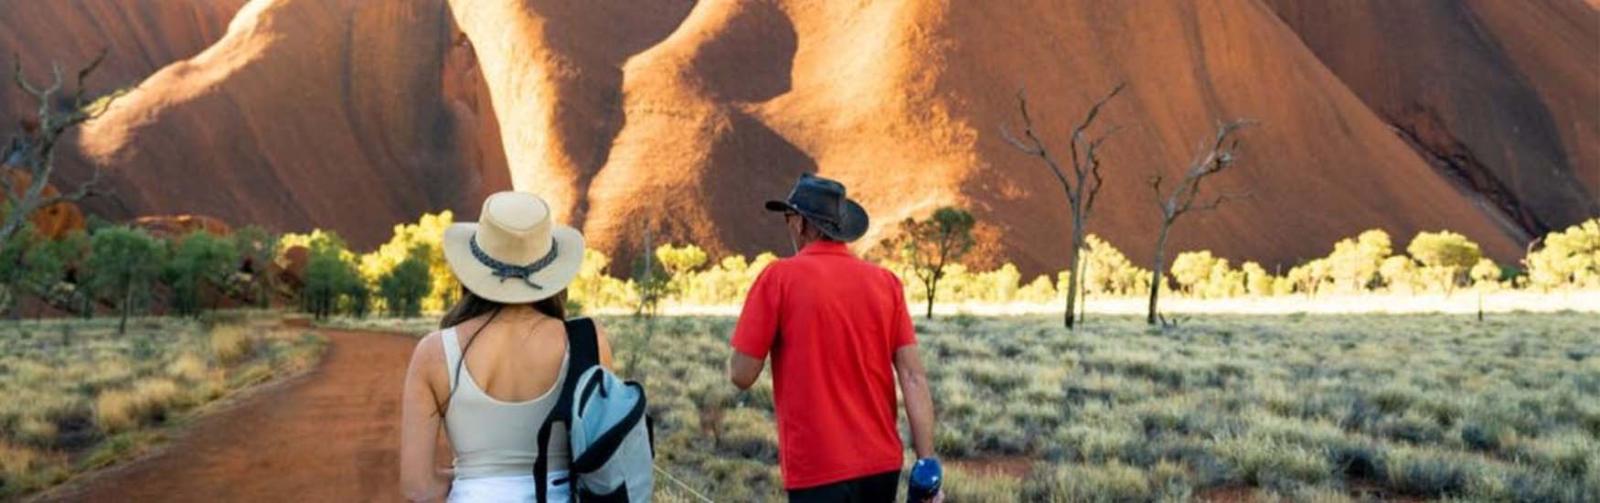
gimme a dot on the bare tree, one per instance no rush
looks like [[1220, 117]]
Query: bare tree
[[1081, 186], [33, 151], [1215, 156]]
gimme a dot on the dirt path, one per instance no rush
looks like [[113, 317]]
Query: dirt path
[[328, 436]]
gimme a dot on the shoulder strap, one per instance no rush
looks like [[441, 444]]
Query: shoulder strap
[[583, 344], [583, 352], [452, 354]]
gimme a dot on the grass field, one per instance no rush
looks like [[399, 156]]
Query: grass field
[[78, 396], [1299, 407]]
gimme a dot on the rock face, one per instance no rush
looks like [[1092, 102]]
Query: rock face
[[177, 226], [683, 116], [1502, 96], [53, 221], [903, 100], [139, 37], [349, 115]]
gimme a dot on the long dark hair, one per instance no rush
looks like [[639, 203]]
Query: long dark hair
[[470, 307]]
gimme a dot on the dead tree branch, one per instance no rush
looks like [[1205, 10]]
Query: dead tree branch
[[1082, 187]]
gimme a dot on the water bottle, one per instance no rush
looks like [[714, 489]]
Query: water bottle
[[925, 480]]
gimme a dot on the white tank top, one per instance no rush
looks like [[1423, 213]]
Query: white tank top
[[494, 438]]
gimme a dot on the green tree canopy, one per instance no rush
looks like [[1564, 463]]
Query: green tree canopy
[[123, 262], [199, 260], [403, 287], [929, 246]]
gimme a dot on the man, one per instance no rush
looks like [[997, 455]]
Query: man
[[839, 334]]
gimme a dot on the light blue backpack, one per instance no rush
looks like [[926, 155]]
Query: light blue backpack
[[612, 442]]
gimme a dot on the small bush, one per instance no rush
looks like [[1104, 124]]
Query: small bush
[[1428, 474], [1483, 436], [959, 486], [748, 434], [230, 344], [188, 367], [1113, 482], [147, 401]]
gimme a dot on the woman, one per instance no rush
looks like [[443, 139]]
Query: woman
[[493, 370]]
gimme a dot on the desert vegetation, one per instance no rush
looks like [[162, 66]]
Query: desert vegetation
[[1307, 408], [1430, 263], [81, 395]]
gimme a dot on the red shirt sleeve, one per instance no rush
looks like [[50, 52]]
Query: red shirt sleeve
[[758, 322], [904, 332]]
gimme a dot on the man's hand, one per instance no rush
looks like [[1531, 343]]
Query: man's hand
[[744, 370]]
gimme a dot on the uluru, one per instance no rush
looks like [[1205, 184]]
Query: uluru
[[1478, 116]]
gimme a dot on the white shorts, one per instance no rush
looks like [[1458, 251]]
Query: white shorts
[[512, 489]]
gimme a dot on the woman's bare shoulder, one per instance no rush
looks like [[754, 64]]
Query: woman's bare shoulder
[[430, 347]]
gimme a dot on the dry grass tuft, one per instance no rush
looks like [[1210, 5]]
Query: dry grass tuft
[[189, 368], [230, 343]]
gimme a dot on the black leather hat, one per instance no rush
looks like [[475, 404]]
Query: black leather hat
[[822, 202]]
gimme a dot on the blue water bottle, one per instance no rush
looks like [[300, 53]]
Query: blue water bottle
[[925, 480]]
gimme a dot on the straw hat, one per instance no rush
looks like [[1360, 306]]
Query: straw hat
[[515, 253]]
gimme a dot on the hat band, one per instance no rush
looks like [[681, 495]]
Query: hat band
[[817, 215], [506, 271]]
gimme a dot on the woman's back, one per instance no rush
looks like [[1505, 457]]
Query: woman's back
[[506, 387]]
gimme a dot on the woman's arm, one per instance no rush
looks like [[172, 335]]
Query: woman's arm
[[420, 480]]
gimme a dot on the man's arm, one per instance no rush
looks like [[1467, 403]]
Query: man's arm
[[743, 370], [918, 400]]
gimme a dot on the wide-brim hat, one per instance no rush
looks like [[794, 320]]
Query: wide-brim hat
[[823, 202], [515, 253]]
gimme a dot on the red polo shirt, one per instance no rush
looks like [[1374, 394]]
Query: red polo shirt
[[832, 323]]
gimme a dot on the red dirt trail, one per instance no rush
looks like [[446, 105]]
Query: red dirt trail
[[330, 435]]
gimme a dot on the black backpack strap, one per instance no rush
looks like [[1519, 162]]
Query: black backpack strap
[[584, 344], [583, 348], [541, 464]]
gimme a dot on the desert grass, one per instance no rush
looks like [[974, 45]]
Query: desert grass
[[78, 396], [1228, 407]]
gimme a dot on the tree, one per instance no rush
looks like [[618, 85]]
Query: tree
[[593, 288], [1216, 156], [1445, 257], [32, 153], [331, 276], [1258, 282], [928, 247], [1081, 189], [1107, 271], [651, 282], [200, 259], [404, 286], [72, 290], [14, 270], [256, 248], [1355, 264], [1569, 258], [124, 262], [679, 263]]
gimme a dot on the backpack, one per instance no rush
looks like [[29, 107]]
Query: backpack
[[613, 445]]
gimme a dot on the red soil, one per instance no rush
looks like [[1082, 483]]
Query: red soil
[[327, 436]]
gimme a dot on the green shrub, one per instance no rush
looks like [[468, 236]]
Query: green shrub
[[1429, 474]]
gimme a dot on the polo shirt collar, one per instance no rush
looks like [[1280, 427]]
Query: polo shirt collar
[[826, 248]]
